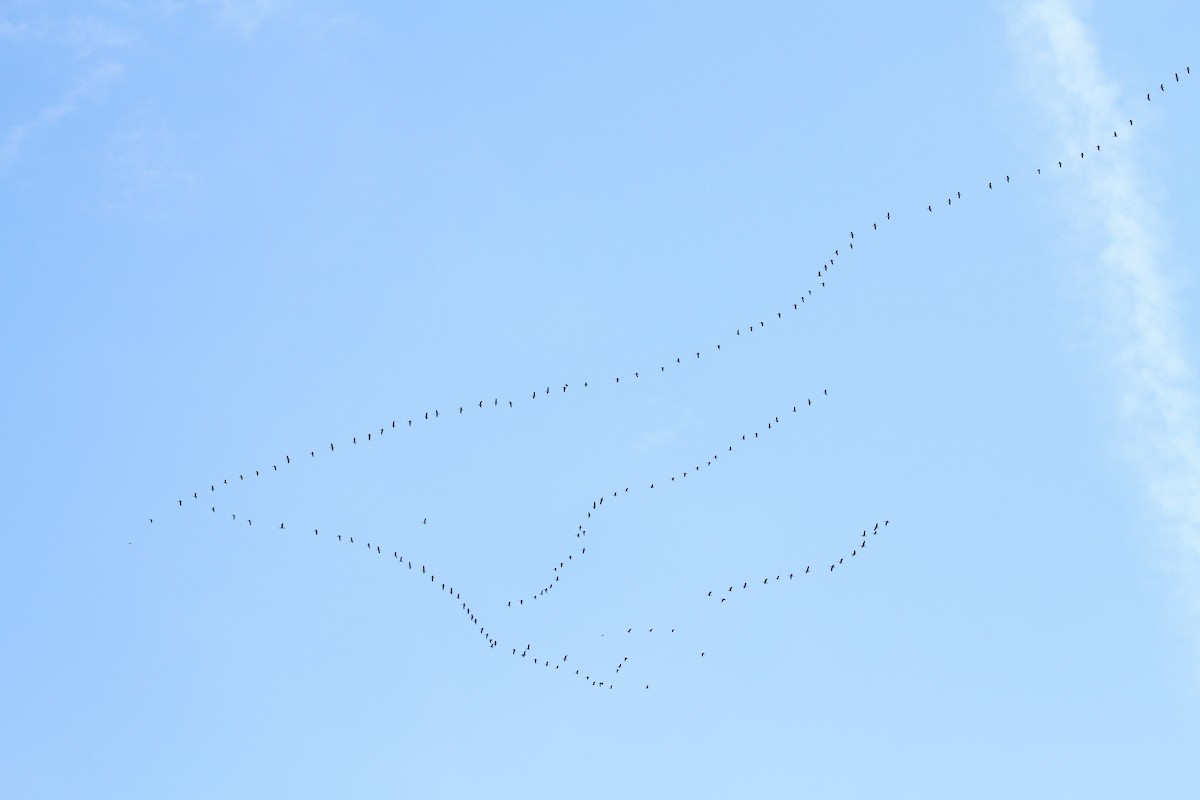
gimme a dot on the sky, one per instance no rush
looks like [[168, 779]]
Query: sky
[[760, 277]]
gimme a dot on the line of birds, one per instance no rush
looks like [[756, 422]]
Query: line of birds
[[598, 503], [719, 595], [471, 615], [823, 271]]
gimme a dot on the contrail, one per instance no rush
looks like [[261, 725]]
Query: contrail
[[1141, 337]]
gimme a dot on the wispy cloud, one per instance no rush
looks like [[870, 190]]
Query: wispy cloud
[[246, 16], [90, 87], [88, 35], [1141, 332]]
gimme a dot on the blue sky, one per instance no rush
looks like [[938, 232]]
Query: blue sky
[[232, 234]]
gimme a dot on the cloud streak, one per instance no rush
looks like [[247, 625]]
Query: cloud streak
[[1142, 335], [90, 87]]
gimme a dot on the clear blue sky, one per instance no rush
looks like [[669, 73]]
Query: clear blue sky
[[234, 233]]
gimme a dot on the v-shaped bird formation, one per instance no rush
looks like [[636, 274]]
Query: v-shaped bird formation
[[802, 294]]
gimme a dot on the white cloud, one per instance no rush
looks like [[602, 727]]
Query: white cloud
[[90, 87], [1140, 325], [246, 16], [88, 35]]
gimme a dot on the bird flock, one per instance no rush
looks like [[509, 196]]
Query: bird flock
[[820, 279]]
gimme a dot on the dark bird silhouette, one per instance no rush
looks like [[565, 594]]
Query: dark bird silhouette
[[281, 526]]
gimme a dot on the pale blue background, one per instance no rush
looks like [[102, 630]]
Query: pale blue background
[[230, 232]]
